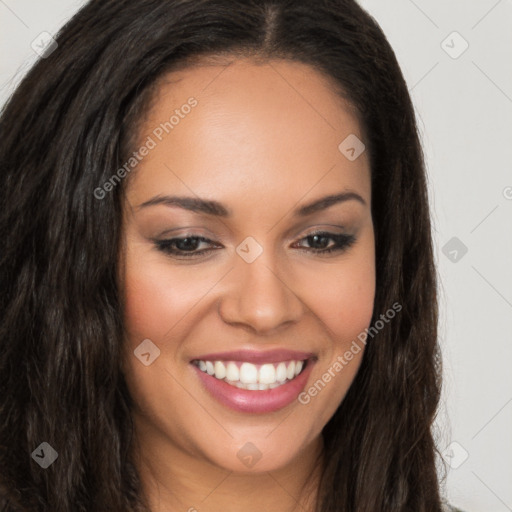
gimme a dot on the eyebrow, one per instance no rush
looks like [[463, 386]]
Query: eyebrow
[[210, 207]]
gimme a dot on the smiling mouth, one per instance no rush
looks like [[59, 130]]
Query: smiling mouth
[[253, 377]]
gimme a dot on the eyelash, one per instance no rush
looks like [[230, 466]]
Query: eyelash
[[342, 242]]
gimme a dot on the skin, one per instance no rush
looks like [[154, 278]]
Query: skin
[[262, 140]]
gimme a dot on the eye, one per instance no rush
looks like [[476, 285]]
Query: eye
[[320, 242], [187, 247]]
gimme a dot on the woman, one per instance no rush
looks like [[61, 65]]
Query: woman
[[219, 290]]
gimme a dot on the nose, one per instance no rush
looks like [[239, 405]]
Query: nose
[[259, 297]]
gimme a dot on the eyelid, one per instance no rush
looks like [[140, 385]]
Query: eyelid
[[184, 232], [342, 242], [191, 232], [319, 228]]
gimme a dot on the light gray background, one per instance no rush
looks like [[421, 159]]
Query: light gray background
[[464, 108]]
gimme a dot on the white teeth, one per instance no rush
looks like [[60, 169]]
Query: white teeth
[[248, 373], [252, 387], [220, 370], [290, 372], [251, 376], [281, 372], [209, 368], [267, 374], [232, 372]]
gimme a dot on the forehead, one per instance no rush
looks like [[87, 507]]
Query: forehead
[[266, 128]]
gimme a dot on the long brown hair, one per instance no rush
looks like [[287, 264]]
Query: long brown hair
[[69, 125]]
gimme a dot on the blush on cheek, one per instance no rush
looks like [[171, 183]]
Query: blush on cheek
[[350, 309], [151, 307], [158, 302]]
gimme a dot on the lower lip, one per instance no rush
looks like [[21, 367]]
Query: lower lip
[[245, 400]]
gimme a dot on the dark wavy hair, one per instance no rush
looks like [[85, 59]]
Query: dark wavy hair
[[68, 126]]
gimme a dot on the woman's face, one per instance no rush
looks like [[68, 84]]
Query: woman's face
[[250, 151]]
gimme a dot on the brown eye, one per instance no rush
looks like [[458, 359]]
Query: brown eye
[[319, 242], [183, 247], [186, 247]]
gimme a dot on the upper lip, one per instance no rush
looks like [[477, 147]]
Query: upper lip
[[256, 356]]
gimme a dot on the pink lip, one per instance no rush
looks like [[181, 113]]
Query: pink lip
[[244, 400], [257, 356]]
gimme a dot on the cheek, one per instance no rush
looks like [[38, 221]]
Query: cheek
[[346, 293], [344, 308], [349, 303], [147, 305], [158, 301]]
